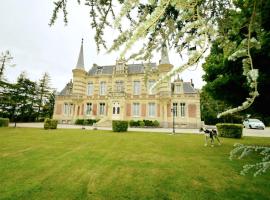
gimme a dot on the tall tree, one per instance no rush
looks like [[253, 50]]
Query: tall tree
[[43, 92], [5, 60], [226, 81], [27, 98]]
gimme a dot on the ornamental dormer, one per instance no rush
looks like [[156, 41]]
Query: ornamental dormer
[[120, 67]]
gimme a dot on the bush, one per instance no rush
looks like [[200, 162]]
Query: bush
[[119, 126], [79, 121], [156, 123], [50, 124], [4, 122], [230, 130], [86, 121], [148, 122], [133, 123], [141, 123]]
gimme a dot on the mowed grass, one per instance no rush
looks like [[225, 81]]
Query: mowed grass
[[83, 164]]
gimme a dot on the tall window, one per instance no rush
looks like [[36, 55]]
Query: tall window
[[66, 109], [182, 109], [175, 109], [88, 109], [102, 108], [102, 89], [136, 109], [149, 85], [119, 86], [70, 109], [90, 89], [177, 89], [136, 87], [151, 109]]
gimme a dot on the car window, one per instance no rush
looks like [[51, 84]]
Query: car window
[[254, 120]]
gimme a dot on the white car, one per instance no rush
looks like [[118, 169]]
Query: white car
[[253, 123]]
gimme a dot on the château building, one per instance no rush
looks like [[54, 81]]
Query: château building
[[121, 92]]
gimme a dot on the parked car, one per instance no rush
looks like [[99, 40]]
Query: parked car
[[253, 123]]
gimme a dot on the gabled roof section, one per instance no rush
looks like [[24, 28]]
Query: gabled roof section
[[80, 62], [67, 90], [132, 69]]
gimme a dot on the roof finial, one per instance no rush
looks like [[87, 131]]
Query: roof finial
[[80, 63]]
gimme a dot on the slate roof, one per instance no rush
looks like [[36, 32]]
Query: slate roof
[[188, 88], [80, 62], [67, 89], [108, 69]]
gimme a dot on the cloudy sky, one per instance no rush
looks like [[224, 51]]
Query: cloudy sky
[[38, 48]]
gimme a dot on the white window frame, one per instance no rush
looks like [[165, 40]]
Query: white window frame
[[136, 87], [175, 109], [119, 86], [177, 89], [151, 109], [102, 88], [136, 109], [182, 109], [90, 89], [88, 108], [66, 109], [102, 108]]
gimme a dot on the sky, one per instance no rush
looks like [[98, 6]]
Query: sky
[[38, 48]]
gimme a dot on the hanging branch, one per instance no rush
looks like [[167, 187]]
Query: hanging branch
[[248, 71]]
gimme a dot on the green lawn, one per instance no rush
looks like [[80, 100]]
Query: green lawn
[[82, 164]]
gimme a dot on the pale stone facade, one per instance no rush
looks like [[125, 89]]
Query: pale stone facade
[[121, 92]]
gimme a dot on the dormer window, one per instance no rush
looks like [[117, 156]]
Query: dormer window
[[177, 88], [120, 67], [99, 70]]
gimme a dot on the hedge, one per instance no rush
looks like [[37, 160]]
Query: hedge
[[4, 122], [50, 124], [86, 121], [143, 123], [230, 130], [119, 126]]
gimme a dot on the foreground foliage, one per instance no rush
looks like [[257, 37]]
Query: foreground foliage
[[83, 164], [241, 151]]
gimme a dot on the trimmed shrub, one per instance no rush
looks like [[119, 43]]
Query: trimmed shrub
[[47, 123], [230, 130], [141, 123], [53, 124], [155, 123], [119, 126], [79, 121], [148, 122], [86, 121], [50, 124], [4, 122]]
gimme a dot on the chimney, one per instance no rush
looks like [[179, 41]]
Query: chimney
[[191, 82]]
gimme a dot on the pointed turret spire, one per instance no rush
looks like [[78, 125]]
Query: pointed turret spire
[[80, 63], [164, 55]]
